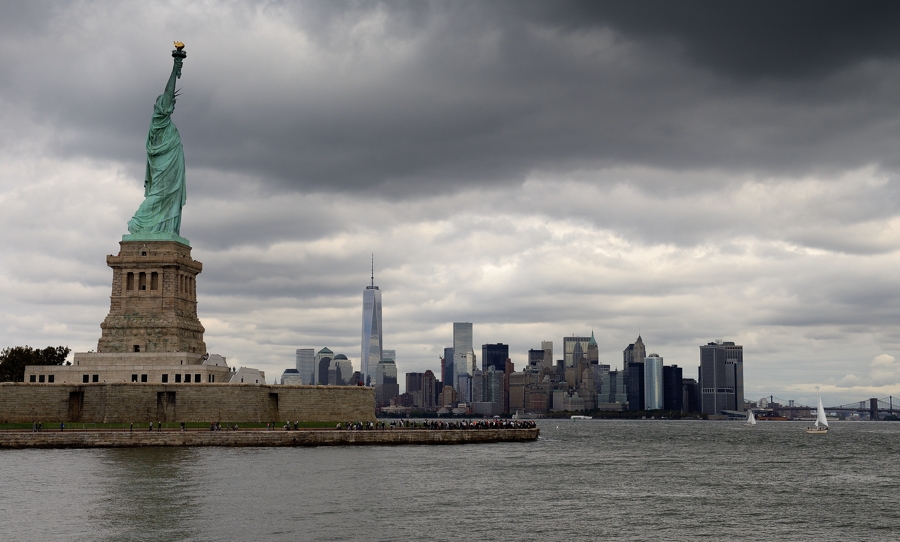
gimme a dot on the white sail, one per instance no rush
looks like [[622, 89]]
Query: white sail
[[820, 415], [751, 419]]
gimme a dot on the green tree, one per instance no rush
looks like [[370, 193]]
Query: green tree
[[14, 359]]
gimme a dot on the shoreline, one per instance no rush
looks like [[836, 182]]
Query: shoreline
[[249, 438]]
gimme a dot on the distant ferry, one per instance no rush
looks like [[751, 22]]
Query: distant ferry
[[581, 418], [770, 417]]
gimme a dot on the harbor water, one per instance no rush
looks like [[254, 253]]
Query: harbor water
[[582, 480]]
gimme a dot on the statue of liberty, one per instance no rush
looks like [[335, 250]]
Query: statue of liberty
[[159, 216]]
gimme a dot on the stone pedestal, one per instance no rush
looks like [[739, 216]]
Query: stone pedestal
[[153, 306]]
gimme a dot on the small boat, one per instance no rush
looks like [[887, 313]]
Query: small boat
[[751, 419], [821, 425], [576, 417]]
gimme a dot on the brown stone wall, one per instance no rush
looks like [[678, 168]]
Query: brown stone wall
[[123, 439], [142, 403]]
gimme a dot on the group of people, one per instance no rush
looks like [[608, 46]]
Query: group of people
[[439, 424], [216, 426]]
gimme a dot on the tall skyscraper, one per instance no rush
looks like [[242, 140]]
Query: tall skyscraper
[[634, 353], [370, 352], [494, 355], [575, 348], [690, 391], [673, 388], [593, 350], [414, 387], [448, 375], [462, 346], [306, 365], [721, 377], [635, 384], [653, 382], [547, 347]]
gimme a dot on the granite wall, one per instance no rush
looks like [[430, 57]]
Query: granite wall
[[141, 403]]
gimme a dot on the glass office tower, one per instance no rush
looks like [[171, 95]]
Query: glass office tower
[[653, 382], [370, 351], [306, 365]]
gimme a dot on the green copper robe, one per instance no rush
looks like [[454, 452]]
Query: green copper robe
[[164, 182]]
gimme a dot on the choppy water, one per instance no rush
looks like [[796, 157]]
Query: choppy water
[[585, 480]]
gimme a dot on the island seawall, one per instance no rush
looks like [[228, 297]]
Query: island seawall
[[141, 403], [136, 439]]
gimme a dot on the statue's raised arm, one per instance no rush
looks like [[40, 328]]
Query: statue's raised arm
[[178, 55], [159, 216]]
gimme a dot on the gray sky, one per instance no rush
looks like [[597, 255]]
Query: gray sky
[[688, 171]]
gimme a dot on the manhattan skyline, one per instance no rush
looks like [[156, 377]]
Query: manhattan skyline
[[684, 172]]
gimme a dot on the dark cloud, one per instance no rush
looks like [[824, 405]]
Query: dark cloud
[[406, 99], [745, 38]]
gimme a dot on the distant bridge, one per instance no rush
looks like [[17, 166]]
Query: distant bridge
[[872, 406]]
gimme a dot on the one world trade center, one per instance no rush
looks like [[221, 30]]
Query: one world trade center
[[370, 353]]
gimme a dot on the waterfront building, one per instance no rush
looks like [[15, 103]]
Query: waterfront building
[[386, 386], [516, 395], [306, 365], [372, 340], [673, 388], [690, 391], [494, 355], [322, 362], [613, 388], [574, 349], [653, 382], [721, 377], [635, 383]]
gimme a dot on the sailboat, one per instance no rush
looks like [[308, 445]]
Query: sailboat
[[821, 425], [751, 419]]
